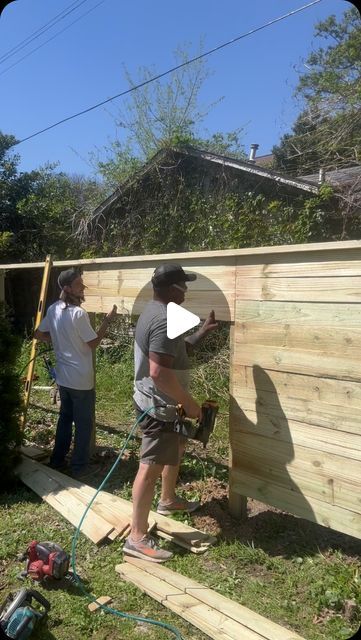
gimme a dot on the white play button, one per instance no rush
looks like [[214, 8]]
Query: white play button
[[179, 320]]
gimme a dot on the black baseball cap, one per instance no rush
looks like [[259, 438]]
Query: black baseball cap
[[68, 276], [167, 274]]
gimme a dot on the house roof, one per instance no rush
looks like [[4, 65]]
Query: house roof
[[343, 177], [165, 159]]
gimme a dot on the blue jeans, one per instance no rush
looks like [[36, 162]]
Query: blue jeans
[[76, 406]]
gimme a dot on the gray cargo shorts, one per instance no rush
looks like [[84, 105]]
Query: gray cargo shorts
[[160, 443]]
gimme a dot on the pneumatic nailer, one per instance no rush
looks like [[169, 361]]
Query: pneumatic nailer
[[199, 430]]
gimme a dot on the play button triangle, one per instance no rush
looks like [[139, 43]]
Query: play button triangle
[[179, 320]]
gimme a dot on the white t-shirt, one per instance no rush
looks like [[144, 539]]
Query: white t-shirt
[[70, 330]]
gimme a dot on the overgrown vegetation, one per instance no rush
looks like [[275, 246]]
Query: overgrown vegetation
[[327, 133], [10, 436]]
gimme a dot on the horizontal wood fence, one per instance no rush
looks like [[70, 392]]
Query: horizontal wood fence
[[295, 369]]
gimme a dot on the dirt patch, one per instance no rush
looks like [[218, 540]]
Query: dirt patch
[[277, 532]]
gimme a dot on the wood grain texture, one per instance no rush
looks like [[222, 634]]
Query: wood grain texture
[[319, 511], [217, 616]]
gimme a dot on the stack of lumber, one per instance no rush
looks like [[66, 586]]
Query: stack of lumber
[[212, 613], [109, 516]]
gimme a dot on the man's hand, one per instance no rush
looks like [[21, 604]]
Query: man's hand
[[112, 314], [193, 410], [209, 324]]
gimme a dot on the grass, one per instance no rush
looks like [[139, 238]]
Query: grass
[[293, 572]]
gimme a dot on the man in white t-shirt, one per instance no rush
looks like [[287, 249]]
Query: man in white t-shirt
[[67, 326]]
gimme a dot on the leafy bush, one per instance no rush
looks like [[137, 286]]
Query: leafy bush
[[10, 401]]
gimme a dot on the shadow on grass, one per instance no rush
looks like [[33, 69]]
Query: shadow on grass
[[278, 533]]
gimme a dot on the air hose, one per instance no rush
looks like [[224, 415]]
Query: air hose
[[78, 581], [37, 355]]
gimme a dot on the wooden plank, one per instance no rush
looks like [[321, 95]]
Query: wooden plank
[[102, 600], [327, 289], [312, 363], [196, 548], [51, 491], [312, 266], [209, 608], [303, 314], [248, 446], [198, 302], [331, 339], [323, 393], [118, 511], [34, 452], [185, 606], [308, 482], [334, 517], [115, 281], [275, 424], [260, 253]]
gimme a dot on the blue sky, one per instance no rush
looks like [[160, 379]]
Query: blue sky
[[84, 65]]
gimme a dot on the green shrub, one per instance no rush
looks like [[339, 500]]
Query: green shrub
[[10, 402]]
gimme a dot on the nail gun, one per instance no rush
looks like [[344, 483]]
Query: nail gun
[[18, 614], [200, 430]]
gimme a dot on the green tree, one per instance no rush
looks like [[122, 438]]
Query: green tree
[[38, 209], [162, 114], [328, 131]]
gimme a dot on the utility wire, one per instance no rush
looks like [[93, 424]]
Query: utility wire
[[165, 73], [53, 37], [41, 30]]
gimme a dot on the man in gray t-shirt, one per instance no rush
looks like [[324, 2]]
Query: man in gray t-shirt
[[160, 383]]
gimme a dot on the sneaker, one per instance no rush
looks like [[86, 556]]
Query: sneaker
[[180, 504], [146, 549]]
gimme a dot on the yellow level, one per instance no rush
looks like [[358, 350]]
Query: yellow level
[[38, 319]]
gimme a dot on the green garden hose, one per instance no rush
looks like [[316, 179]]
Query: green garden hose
[[115, 612]]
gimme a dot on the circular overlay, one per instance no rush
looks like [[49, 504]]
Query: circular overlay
[[201, 298]]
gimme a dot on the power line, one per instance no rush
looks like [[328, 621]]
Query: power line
[[41, 30], [53, 37], [165, 73]]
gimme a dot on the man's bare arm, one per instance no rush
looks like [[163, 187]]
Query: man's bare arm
[[103, 328], [165, 379]]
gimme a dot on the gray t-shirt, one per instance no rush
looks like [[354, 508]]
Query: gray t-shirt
[[151, 335]]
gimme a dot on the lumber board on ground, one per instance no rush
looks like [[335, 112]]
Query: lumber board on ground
[[51, 491], [34, 452], [172, 527], [211, 612], [116, 512]]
